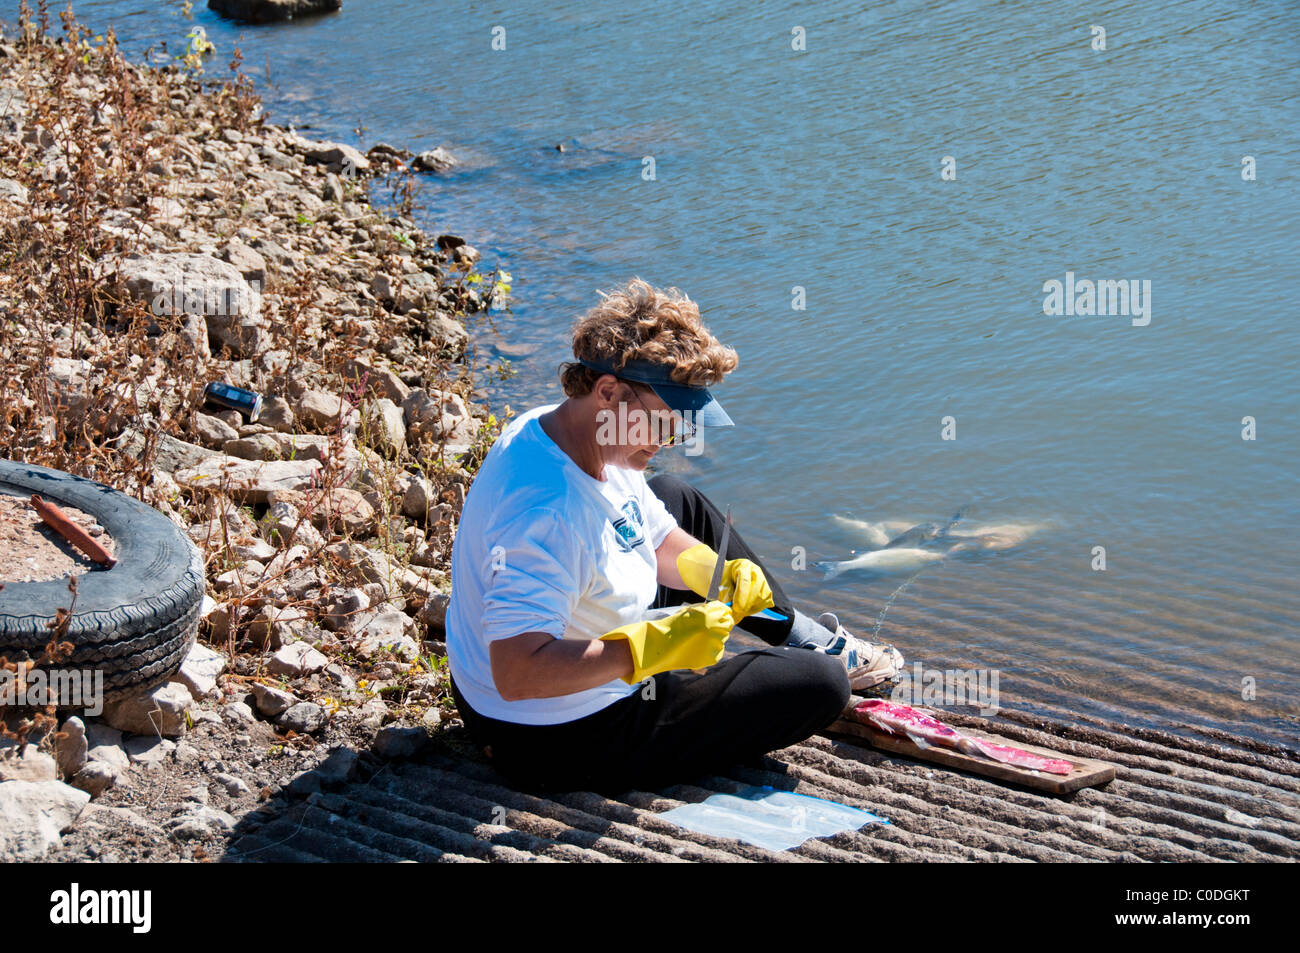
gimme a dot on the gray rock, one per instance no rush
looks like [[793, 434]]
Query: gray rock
[[11, 191], [399, 742], [304, 718], [258, 446], [277, 414], [33, 816], [418, 290], [98, 776], [335, 156], [418, 499], [233, 785], [388, 630], [248, 481], [272, 701], [200, 822], [434, 613], [445, 331], [296, 659], [200, 670], [30, 765], [332, 190], [249, 262], [152, 752], [379, 381], [169, 453], [372, 714], [212, 431], [73, 748], [184, 283], [312, 446], [161, 711], [115, 819], [339, 766], [442, 413], [383, 426], [434, 160], [322, 410], [237, 713], [347, 612]]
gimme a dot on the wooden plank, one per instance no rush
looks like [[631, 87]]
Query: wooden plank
[[1087, 772]]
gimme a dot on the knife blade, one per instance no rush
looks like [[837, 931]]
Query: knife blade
[[715, 584]]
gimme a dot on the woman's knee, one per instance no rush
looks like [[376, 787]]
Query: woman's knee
[[823, 683]]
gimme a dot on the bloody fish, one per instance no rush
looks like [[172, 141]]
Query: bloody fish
[[924, 731]]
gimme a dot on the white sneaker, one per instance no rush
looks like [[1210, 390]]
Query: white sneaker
[[867, 664]]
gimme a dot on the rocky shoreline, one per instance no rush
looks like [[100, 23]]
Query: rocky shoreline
[[158, 235]]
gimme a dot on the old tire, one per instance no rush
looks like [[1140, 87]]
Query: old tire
[[136, 621]]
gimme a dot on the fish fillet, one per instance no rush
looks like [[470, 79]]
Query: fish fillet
[[925, 731]]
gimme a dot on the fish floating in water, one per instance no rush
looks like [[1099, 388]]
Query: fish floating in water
[[883, 561], [898, 546], [924, 731]]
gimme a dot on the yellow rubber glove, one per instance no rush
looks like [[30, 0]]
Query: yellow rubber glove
[[693, 637], [743, 583]]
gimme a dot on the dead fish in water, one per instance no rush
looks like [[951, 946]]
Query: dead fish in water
[[967, 536], [876, 535], [924, 731], [922, 533], [897, 560]]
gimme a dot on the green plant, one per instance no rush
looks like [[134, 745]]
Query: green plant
[[199, 47]]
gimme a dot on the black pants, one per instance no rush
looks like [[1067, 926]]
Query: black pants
[[679, 725]]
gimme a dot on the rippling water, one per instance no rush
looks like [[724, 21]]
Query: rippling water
[[820, 169]]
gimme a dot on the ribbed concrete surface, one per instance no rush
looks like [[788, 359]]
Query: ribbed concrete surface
[[1173, 799]]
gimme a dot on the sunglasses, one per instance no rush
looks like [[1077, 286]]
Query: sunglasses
[[681, 432]]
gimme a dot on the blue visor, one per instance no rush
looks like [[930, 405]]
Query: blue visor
[[695, 404]]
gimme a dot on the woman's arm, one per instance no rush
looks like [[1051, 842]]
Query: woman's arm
[[675, 543], [538, 665]]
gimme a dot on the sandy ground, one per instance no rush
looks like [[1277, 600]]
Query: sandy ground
[[31, 551]]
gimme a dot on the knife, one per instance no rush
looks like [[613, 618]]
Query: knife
[[715, 585]]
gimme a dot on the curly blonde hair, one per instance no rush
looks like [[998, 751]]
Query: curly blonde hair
[[638, 322]]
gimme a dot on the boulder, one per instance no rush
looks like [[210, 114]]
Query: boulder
[[200, 670], [297, 658], [304, 718], [343, 509], [248, 481], [433, 160], [96, 777], [266, 11], [29, 765], [383, 426], [335, 156], [248, 261], [33, 815], [272, 701], [181, 283], [73, 748], [322, 410], [158, 712]]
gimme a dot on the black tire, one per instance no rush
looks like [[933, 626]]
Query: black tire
[[136, 621]]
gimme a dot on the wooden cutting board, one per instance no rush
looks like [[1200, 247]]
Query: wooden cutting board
[[1087, 772]]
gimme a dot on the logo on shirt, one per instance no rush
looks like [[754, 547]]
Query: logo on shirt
[[630, 528]]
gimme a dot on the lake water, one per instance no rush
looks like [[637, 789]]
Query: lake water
[[820, 169]]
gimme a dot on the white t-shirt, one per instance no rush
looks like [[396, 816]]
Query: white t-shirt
[[543, 546]]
